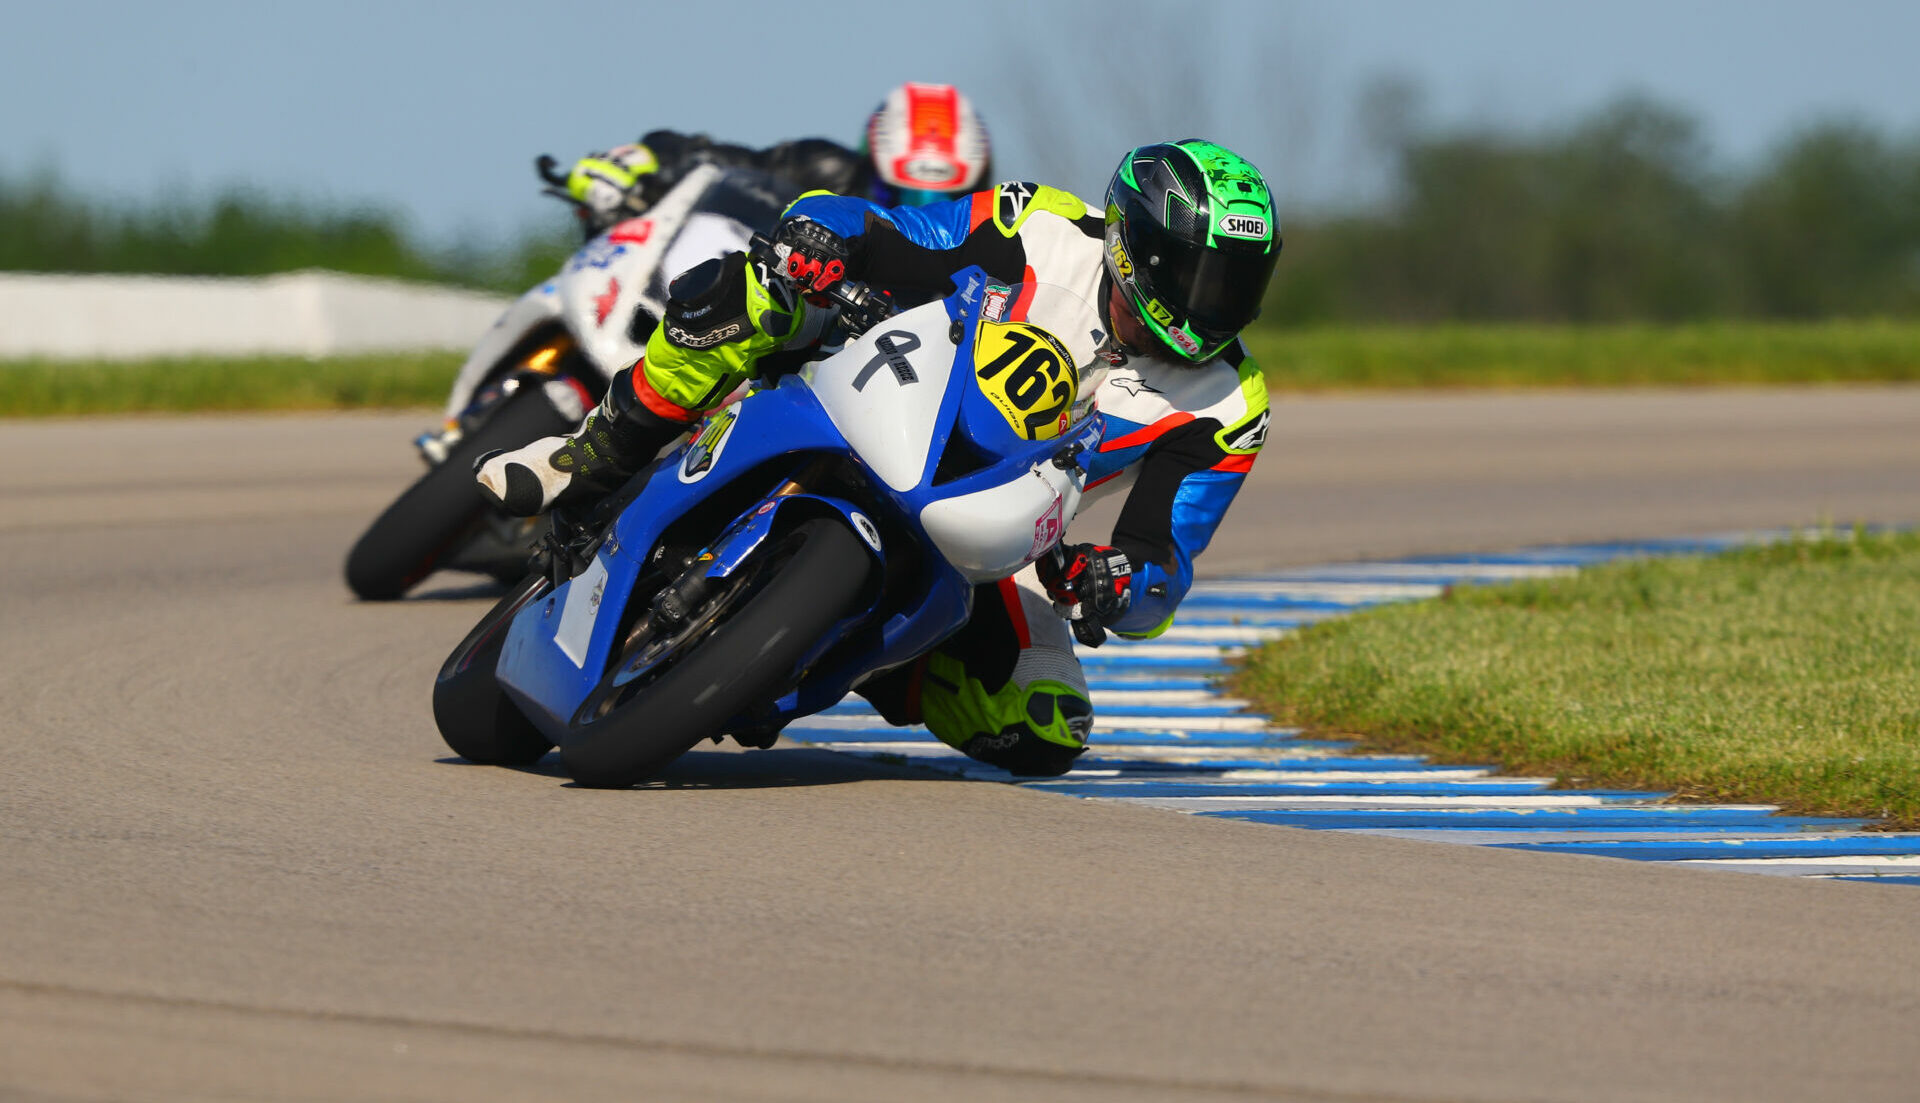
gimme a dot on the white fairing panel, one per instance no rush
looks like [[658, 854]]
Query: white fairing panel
[[990, 534], [883, 392], [596, 292], [542, 304], [610, 275], [704, 236]]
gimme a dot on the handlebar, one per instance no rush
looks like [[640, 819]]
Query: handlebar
[[861, 307], [548, 168]]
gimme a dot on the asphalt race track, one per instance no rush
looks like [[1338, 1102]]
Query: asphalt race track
[[238, 863]]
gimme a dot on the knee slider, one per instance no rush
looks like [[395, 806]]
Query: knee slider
[[1068, 709], [1018, 750]]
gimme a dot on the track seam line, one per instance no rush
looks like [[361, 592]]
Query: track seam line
[[719, 1050]]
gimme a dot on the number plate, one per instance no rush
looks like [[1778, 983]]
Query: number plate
[[1028, 375]]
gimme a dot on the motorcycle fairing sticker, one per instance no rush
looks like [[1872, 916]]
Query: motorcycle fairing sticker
[[1049, 528], [575, 630], [634, 231], [598, 253], [866, 529], [705, 449]]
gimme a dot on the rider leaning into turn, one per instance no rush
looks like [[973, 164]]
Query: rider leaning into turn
[[923, 144], [1177, 265]]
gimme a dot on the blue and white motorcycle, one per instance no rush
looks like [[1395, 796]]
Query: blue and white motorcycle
[[811, 536]]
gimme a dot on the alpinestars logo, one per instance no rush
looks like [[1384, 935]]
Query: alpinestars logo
[[1013, 202], [703, 340], [1254, 437], [1133, 385]]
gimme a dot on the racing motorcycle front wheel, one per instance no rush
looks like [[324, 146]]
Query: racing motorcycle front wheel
[[440, 511], [473, 713], [680, 682]]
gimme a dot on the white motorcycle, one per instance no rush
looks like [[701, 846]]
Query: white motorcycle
[[543, 365]]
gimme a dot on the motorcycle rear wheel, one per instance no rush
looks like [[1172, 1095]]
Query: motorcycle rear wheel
[[776, 609], [414, 535], [474, 715]]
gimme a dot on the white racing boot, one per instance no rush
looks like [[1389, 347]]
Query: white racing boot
[[616, 440]]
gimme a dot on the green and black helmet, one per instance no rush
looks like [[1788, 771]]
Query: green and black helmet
[[1192, 238]]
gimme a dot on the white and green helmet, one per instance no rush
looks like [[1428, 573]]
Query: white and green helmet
[[1192, 238]]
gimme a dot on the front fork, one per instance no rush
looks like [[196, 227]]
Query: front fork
[[678, 599]]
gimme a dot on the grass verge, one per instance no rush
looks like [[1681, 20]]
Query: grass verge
[[1733, 353], [1785, 674], [1315, 359], [43, 388]]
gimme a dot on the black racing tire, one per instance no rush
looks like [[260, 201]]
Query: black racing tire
[[475, 716], [408, 541], [623, 734]]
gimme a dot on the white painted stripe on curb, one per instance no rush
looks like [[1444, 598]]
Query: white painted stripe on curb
[[1850, 861], [1340, 593], [1178, 702], [1188, 754], [1461, 803], [1221, 634], [1337, 776], [1165, 697], [1127, 649], [850, 721], [1411, 572]]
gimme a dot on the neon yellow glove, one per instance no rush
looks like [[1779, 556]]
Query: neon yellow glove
[[604, 182]]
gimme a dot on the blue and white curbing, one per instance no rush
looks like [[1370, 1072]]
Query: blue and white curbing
[[1167, 738]]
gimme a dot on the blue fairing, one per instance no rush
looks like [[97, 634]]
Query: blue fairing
[[546, 682]]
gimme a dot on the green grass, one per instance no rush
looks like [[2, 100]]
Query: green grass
[[1295, 360], [1785, 674], [39, 388], [1331, 358]]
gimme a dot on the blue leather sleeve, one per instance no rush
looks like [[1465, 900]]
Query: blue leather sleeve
[[1198, 507], [935, 226]]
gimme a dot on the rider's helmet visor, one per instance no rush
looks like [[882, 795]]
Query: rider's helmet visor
[[1213, 291]]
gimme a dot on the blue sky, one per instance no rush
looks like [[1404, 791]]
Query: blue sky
[[436, 109]]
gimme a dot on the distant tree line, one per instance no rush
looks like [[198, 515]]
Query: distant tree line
[[1618, 216], [1621, 215], [46, 227]]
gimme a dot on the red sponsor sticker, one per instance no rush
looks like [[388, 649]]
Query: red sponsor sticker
[[634, 231], [1048, 529], [603, 302], [996, 307]]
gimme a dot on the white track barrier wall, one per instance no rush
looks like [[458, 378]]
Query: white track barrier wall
[[88, 317]]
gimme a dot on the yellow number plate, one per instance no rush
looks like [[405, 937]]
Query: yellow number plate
[[1028, 375]]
